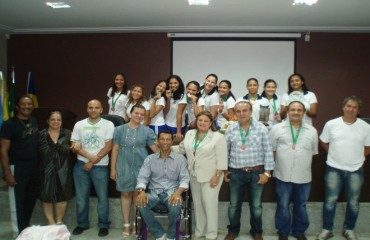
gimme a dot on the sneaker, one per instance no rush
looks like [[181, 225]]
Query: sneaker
[[282, 237], [78, 230], [300, 237], [349, 235], [103, 232], [325, 234], [230, 236]]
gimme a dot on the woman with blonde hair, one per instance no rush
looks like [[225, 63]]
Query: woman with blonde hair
[[206, 152]]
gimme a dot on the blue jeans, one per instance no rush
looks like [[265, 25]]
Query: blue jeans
[[98, 175], [283, 221], [240, 182], [335, 180], [153, 224]]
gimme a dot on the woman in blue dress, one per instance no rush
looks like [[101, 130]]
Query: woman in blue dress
[[129, 151]]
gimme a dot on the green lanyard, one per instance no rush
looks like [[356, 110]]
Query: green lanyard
[[254, 99], [115, 101], [295, 138], [243, 137], [196, 143], [204, 94], [274, 105], [224, 98]]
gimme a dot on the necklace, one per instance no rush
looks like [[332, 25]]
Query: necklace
[[28, 130]]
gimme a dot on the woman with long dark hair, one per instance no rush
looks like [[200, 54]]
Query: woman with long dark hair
[[117, 96], [175, 93], [298, 91]]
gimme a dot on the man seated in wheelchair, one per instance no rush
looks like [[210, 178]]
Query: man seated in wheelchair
[[166, 176]]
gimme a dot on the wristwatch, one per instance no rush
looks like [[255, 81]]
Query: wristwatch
[[267, 174], [139, 190]]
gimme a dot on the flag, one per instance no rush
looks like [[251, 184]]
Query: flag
[[31, 91], [11, 96], [4, 99]]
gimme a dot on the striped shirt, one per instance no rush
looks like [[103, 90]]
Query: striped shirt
[[258, 149]]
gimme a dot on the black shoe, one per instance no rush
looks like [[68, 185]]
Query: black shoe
[[103, 232], [78, 230], [283, 237], [300, 237]]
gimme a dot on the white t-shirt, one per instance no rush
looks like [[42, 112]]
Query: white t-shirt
[[230, 103], [306, 99], [190, 109], [171, 115], [256, 106], [346, 143], [211, 100], [93, 137], [158, 120], [120, 104], [274, 108], [146, 105]]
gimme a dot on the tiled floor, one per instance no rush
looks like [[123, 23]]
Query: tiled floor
[[115, 234]]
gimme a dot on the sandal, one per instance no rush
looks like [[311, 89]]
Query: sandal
[[133, 228], [126, 230]]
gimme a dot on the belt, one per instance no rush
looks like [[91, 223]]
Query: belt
[[250, 169]]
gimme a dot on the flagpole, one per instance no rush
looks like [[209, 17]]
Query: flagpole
[[28, 82], [2, 88], [13, 75]]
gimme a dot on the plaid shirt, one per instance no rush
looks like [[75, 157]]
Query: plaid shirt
[[258, 147]]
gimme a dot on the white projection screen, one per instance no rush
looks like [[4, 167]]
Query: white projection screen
[[235, 60]]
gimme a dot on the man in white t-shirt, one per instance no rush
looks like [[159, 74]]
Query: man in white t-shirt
[[347, 141], [92, 141]]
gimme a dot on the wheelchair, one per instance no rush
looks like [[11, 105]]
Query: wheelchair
[[183, 223]]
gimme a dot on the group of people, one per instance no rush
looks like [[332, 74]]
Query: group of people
[[266, 136]]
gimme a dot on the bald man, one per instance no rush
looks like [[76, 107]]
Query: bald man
[[92, 141]]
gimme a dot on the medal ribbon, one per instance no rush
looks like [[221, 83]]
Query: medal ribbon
[[115, 101], [253, 99], [188, 100], [274, 105], [196, 143], [295, 138], [243, 137]]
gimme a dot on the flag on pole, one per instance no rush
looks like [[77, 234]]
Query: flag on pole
[[31, 91], [11, 96], [4, 99]]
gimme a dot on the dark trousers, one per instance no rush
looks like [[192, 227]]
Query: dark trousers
[[26, 192]]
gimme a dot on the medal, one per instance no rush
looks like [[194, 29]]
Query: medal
[[114, 101], [243, 136], [295, 137]]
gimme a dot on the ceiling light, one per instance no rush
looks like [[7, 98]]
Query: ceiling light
[[58, 5], [304, 2], [198, 2]]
